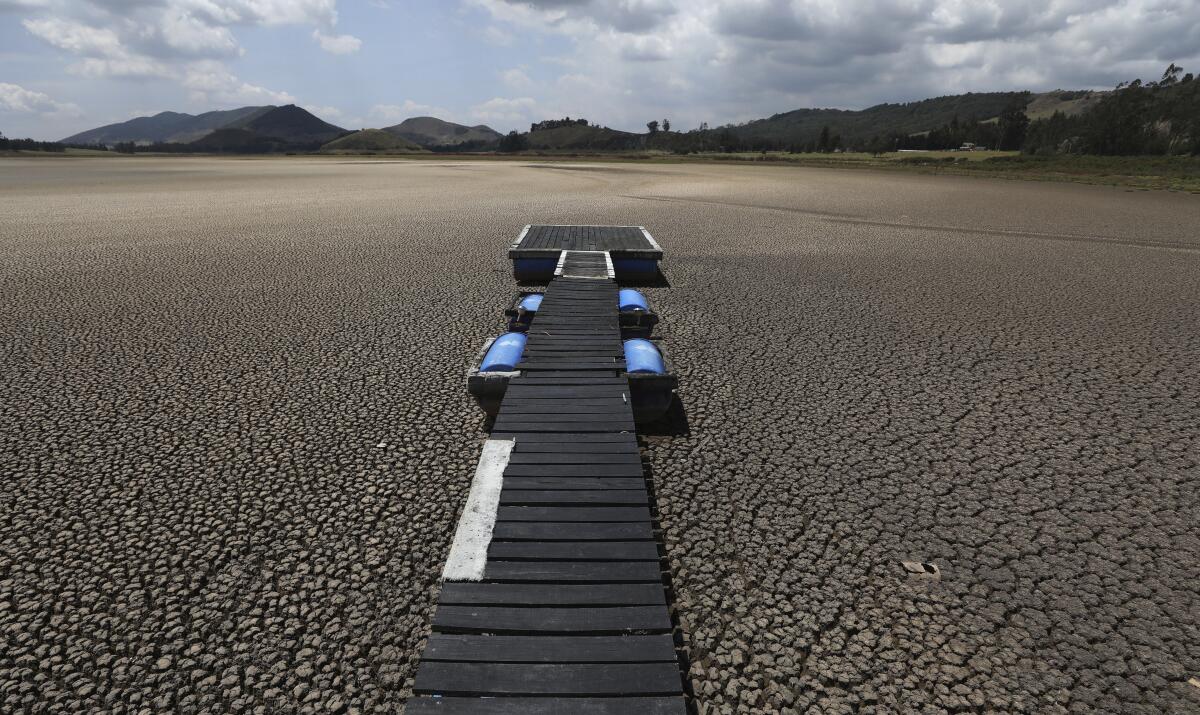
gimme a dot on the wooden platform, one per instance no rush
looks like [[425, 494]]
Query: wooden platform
[[623, 241], [571, 615]]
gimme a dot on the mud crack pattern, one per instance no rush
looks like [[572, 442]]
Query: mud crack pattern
[[234, 435]]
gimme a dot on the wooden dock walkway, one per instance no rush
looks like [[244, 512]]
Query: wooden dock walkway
[[571, 614]]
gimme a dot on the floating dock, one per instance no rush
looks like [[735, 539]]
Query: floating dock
[[633, 252], [553, 599]]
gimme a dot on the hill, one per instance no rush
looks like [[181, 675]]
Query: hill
[[1070, 103], [165, 127], [859, 126], [237, 141], [289, 124], [433, 132], [584, 137], [371, 140]]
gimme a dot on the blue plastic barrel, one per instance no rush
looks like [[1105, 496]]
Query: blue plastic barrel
[[642, 356], [630, 299], [531, 302], [504, 354]]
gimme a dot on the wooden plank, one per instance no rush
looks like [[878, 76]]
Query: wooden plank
[[573, 551], [526, 483], [550, 649], [547, 364], [541, 419], [505, 619], [616, 497], [573, 470], [520, 390], [550, 594], [573, 513], [570, 531], [565, 407], [566, 412], [545, 679], [578, 438], [546, 706], [544, 426], [569, 571], [573, 450], [623, 457]]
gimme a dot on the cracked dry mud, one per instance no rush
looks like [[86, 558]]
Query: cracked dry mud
[[234, 434]]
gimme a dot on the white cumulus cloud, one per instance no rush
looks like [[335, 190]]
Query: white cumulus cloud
[[16, 99], [210, 83], [337, 44]]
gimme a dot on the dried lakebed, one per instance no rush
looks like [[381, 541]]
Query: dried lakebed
[[235, 438]]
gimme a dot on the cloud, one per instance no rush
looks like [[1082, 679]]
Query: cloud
[[624, 15], [507, 111], [389, 114], [326, 112], [164, 38], [337, 44], [730, 60], [496, 36], [210, 83], [516, 79], [16, 99]]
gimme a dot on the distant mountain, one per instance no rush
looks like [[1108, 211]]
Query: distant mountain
[[431, 132], [288, 125], [371, 140], [166, 127]]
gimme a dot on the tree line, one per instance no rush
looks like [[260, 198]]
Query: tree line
[[1137, 117], [7, 144]]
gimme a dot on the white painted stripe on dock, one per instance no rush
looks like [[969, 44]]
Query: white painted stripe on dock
[[468, 554]]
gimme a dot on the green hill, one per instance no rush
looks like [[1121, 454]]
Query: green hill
[[371, 140], [1070, 103], [584, 137], [291, 124], [236, 141], [288, 125], [858, 126], [434, 132], [166, 127]]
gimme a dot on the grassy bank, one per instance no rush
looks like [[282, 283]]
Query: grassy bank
[[1171, 173], [1168, 173]]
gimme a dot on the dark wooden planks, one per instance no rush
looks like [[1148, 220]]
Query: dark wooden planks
[[551, 649], [573, 550], [547, 679], [570, 531], [619, 240], [572, 604], [539, 594], [508, 619], [574, 513], [574, 571], [547, 706]]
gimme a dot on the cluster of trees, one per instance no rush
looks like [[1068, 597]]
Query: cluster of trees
[[653, 126], [1006, 133], [7, 144], [556, 123], [1160, 117], [513, 142]]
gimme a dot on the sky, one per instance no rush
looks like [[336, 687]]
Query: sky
[[70, 65]]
